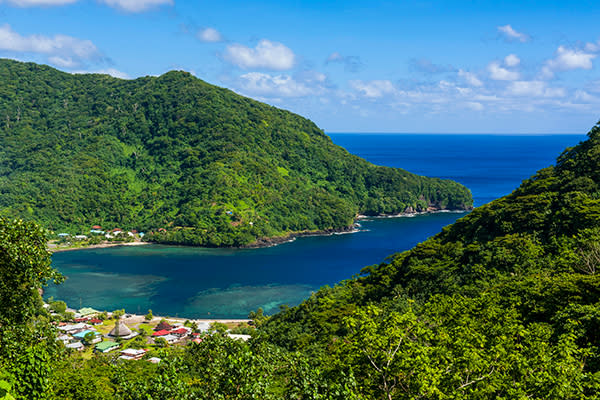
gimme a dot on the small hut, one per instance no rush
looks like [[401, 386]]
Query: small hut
[[122, 331]]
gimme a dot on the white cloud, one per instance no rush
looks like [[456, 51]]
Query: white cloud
[[470, 77], [373, 89], [34, 3], [136, 5], [258, 83], [534, 89], [510, 34], [63, 51], [473, 105], [499, 73], [511, 60], [108, 71], [568, 59], [582, 95], [266, 54], [63, 62], [209, 35]]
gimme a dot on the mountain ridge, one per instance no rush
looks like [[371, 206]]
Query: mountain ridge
[[202, 164]]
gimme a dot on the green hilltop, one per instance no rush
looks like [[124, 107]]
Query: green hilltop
[[201, 163]]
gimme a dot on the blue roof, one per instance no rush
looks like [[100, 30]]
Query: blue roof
[[82, 334]]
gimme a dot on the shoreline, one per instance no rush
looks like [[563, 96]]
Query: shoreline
[[276, 240], [96, 246]]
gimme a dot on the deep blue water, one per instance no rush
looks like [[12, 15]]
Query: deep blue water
[[226, 283]]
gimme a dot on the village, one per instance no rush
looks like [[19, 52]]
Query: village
[[134, 337], [97, 237]]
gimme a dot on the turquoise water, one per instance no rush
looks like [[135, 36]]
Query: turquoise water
[[228, 283]]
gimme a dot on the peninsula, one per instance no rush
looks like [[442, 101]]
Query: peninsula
[[184, 161]]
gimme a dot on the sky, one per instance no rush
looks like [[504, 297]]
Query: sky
[[350, 66]]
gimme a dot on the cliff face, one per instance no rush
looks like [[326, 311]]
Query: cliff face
[[200, 163]]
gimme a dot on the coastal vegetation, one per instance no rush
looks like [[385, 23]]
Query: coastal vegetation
[[184, 161], [503, 304]]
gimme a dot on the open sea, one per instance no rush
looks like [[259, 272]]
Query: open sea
[[228, 283]]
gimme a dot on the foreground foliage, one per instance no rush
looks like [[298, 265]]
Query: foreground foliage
[[172, 153]]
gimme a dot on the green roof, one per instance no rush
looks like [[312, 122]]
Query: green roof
[[87, 311], [107, 344]]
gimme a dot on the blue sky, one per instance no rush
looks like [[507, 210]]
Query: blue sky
[[350, 66]]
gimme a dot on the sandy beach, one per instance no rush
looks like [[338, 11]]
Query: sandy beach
[[55, 249]]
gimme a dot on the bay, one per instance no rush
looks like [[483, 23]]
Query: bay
[[229, 283]]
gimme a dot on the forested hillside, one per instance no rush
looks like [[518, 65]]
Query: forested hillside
[[200, 163], [503, 304]]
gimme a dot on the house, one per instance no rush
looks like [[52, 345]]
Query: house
[[63, 235], [163, 325], [75, 346], [154, 360], [132, 354], [235, 336], [81, 319], [106, 346], [97, 231], [171, 338], [81, 335], [181, 332], [162, 332], [74, 328], [97, 227], [197, 340], [95, 321], [85, 311], [81, 237]]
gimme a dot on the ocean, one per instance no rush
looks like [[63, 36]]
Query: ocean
[[229, 283]]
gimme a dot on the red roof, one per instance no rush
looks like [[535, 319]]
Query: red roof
[[160, 333], [180, 331], [163, 325], [82, 319], [197, 340], [96, 227], [95, 321]]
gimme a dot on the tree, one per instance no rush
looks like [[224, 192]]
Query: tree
[[389, 346], [149, 316], [89, 338], [26, 345]]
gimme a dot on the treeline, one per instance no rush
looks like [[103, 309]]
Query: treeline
[[202, 164]]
